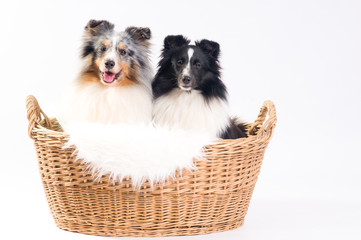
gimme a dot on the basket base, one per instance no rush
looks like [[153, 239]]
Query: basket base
[[176, 231]]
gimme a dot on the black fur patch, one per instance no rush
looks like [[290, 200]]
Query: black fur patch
[[234, 131], [87, 49], [163, 85], [141, 63], [130, 52], [212, 88]]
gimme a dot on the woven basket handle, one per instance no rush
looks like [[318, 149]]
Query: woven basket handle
[[262, 125], [34, 113]]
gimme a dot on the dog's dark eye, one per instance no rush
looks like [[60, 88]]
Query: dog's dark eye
[[103, 49], [180, 62], [122, 52], [197, 65]]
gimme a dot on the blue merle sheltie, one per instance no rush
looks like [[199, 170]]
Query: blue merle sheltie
[[188, 92], [114, 84]]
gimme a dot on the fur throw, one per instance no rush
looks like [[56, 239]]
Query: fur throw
[[142, 153]]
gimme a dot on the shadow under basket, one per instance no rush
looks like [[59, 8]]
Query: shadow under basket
[[215, 198]]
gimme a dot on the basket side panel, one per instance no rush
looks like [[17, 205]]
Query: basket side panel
[[117, 213]]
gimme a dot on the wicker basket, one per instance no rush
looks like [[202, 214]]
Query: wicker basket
[[213, 199]]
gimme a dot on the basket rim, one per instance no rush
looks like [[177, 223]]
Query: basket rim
[[39, 122]]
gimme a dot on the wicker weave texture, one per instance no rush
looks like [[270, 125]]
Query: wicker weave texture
[[214, 198]]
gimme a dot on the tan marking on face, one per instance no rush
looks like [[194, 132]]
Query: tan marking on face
[[121, 46], [90, 75], [106, 43], [89, 59], [125, 68], [98, 61], [128, 76]]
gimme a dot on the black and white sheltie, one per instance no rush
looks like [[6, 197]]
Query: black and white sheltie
[[188, 92], [114, 85]]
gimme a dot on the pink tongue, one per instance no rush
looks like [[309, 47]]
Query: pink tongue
[[109, 77]]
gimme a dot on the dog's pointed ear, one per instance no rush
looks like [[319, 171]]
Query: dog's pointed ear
[[93, 29], [96, 27], [209, 47], [139, 33], [173, 41]]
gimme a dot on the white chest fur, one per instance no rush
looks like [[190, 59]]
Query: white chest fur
[[104, 104], [190, 110]]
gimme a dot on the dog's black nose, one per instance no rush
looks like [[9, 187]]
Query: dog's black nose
[[186, 80], [109, 64]]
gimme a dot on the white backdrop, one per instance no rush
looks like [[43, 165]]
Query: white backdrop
[[303, 55]]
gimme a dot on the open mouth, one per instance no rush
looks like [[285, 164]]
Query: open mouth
[[109, 77]]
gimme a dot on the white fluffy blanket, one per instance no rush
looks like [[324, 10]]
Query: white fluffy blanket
[[139, 152]]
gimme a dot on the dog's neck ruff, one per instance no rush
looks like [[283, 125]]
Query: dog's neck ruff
[[106, 104], [191, 111]]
